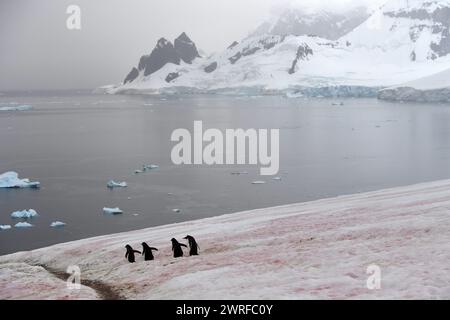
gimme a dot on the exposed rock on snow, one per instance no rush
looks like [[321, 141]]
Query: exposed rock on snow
[[24, 214], [11, 180], [134, 73], [303, 52], [318, 249], [435, 88], [211, 67], [186, 48]]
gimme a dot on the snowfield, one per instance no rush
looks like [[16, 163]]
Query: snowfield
[[313, 250]]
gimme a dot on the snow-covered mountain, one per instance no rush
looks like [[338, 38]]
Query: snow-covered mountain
[[321, 23], [400, 42]]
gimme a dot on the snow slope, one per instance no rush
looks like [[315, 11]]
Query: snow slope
[[319, 249]]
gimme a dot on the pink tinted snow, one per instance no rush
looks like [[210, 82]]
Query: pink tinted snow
[[319, 249]]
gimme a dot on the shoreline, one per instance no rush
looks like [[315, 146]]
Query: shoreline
[[319, 249]]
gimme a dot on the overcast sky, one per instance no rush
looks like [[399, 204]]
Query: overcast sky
[[37, 51]]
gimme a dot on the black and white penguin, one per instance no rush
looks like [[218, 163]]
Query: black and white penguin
[[176, 248], [130, 253], [147, 251], [193, 246]]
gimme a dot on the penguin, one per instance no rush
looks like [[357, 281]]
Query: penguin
[[147, 251], [176, 248], [130, 253], [193, 246]]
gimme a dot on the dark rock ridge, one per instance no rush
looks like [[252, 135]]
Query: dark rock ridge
[[134, 73], [234, 44], [165, 52], [185, 48], [303, 52]]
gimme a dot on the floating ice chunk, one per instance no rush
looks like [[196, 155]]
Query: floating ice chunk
[[24, 107], [258, 182], [24, 214], [23, 225], [276, 178], [11, 180], [114, 184], [57, 224], [112, 211], [4, 227], [149, 167], [176, 210]]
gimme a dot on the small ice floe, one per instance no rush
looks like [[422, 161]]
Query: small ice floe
[[11, 180], [23, 225], [176, 210], [4, 227], [112, 211], [170, 194], [337, 104], [148, 104], [24, 214], [57, 224], [258, 182], [147, 167], [138, 171], [114, 184], [276, 178], [238, 173], [23, 107]]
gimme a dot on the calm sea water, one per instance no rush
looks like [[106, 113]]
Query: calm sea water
[[74, 143]]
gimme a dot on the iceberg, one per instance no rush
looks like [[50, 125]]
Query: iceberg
[[4, 227], [112, 210], [24, 214], [149, 167], [11, 180], [24, 107], [176, 210], [114, 184], [23, 225], [277, 178], [57, 224], [258, 182]]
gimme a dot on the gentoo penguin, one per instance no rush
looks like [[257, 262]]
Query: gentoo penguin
[[193, 246], [176, 248], [130, 253], [147, 251]]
